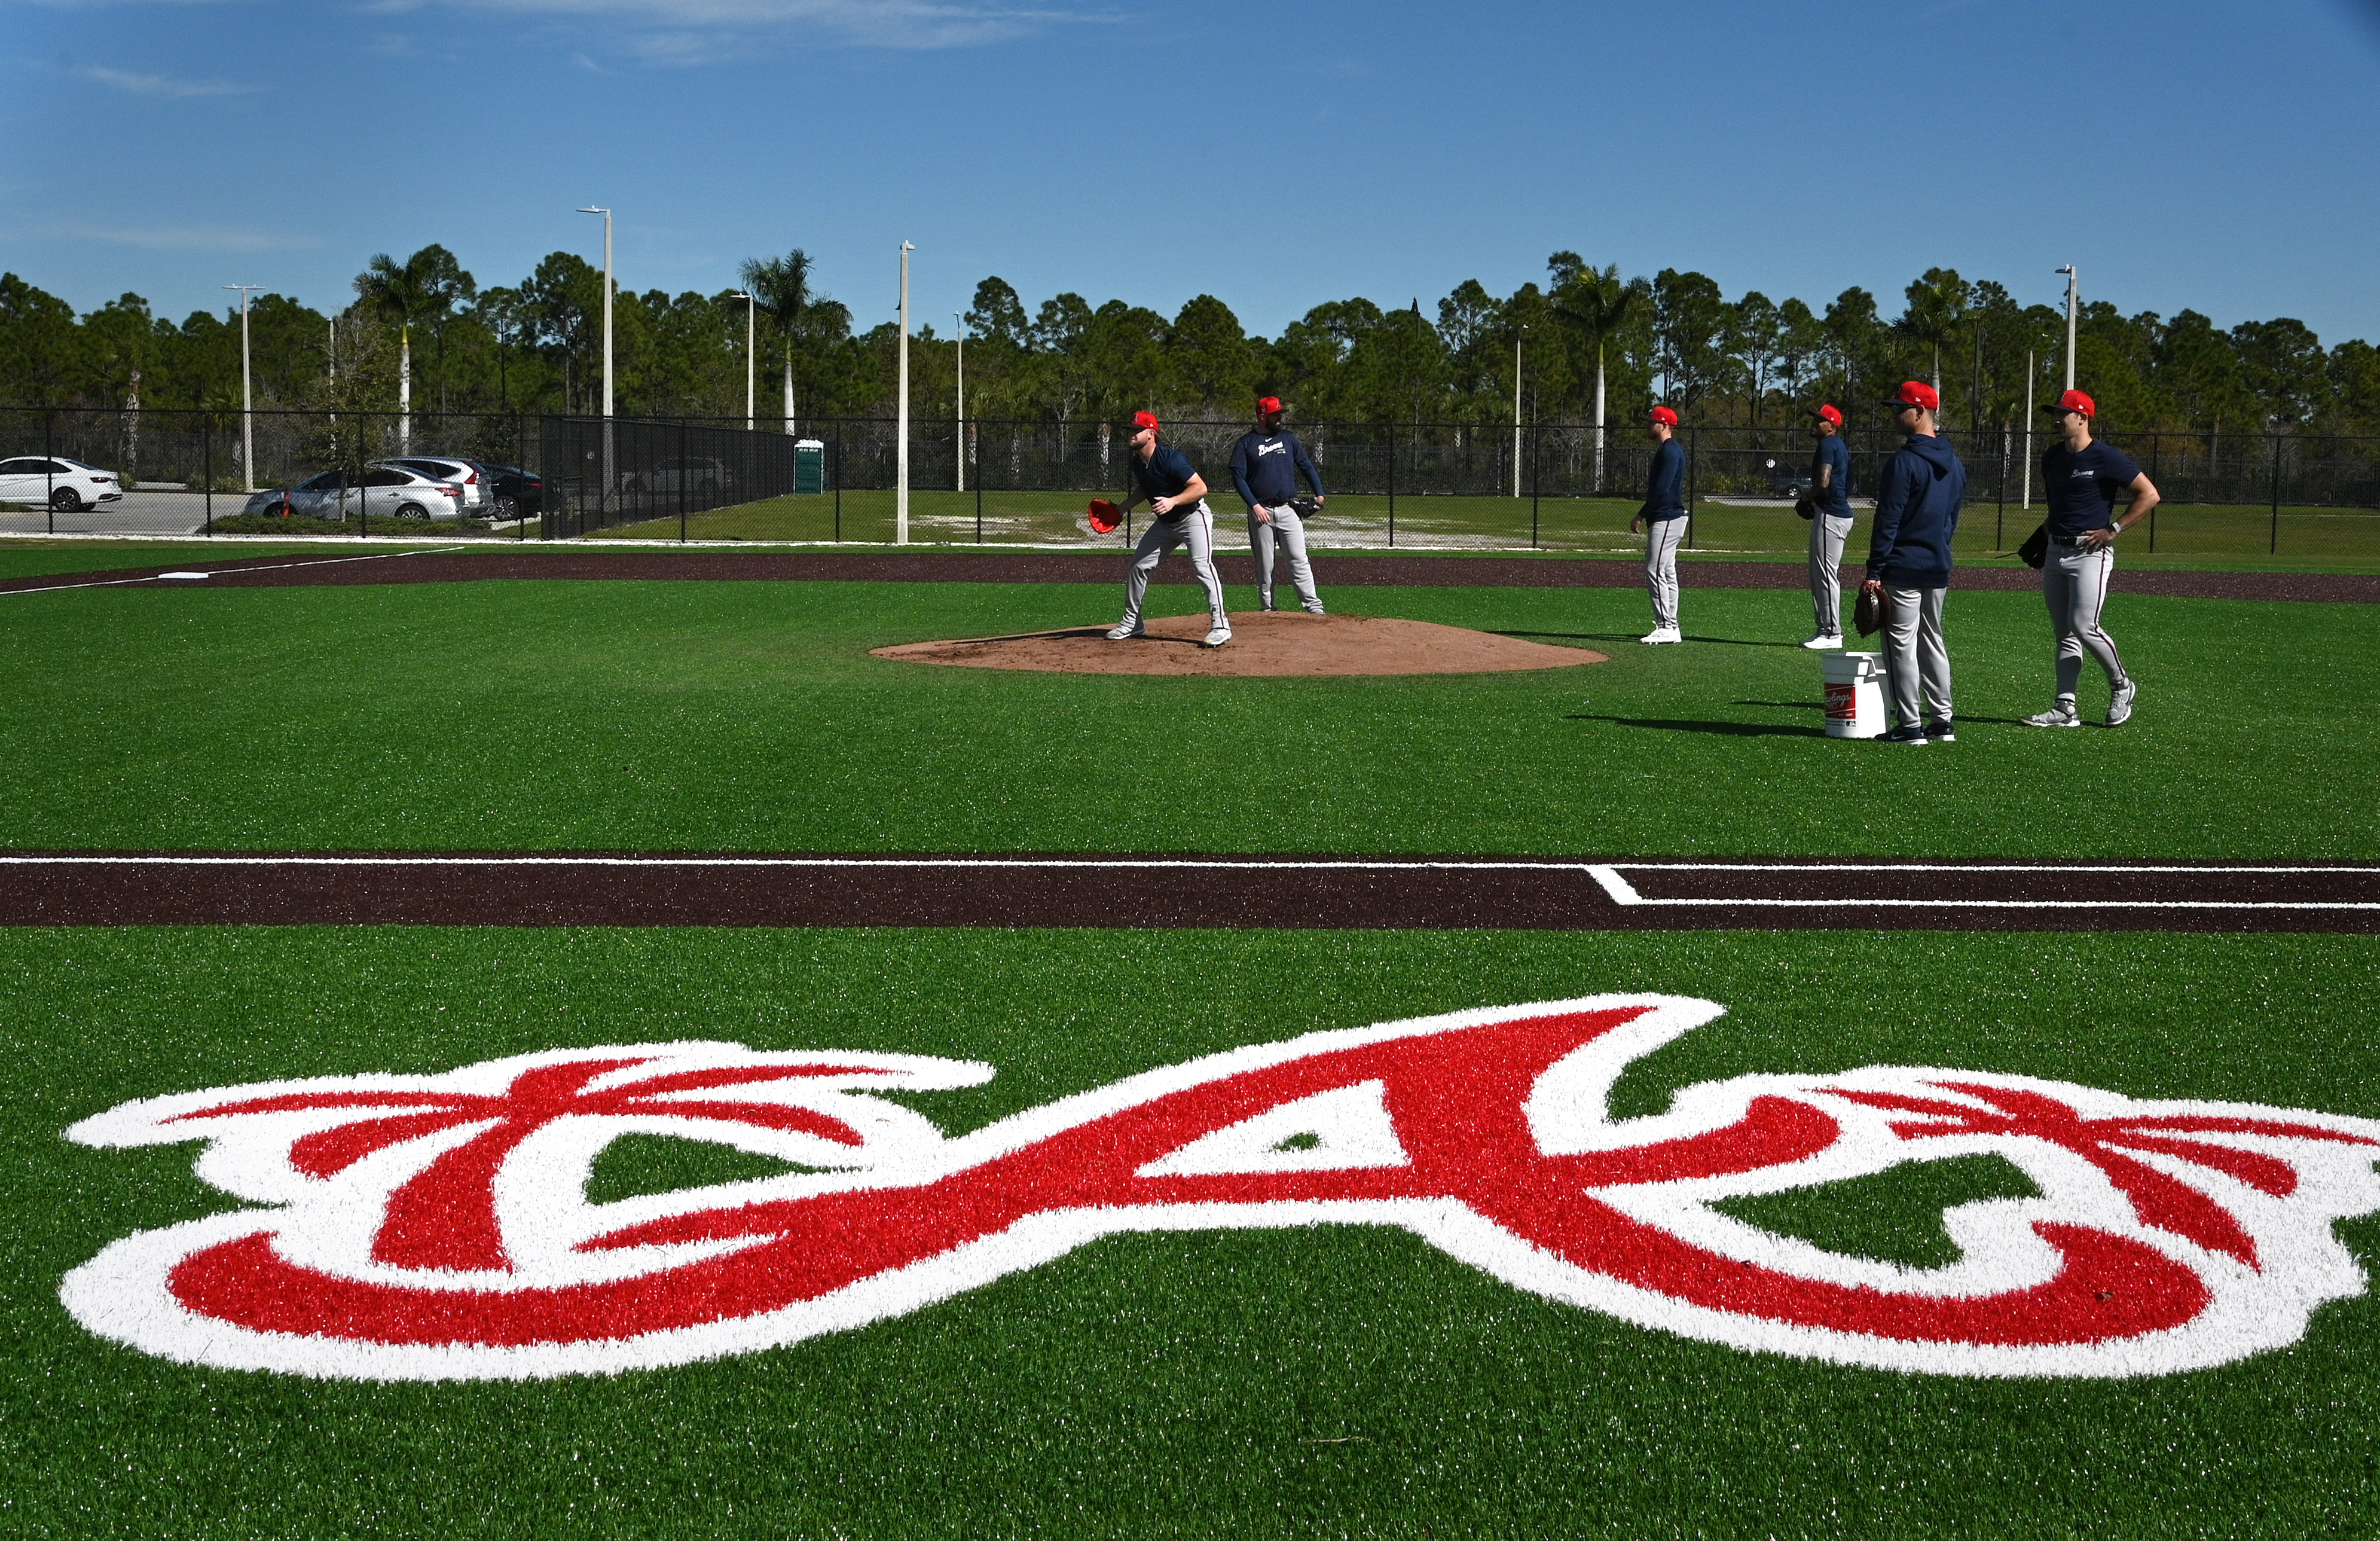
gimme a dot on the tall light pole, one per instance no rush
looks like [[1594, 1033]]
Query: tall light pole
[[2073, 302], [958, 323], [751, 333], [901, 451], [1516, 409], [246, 393], [608, 467]]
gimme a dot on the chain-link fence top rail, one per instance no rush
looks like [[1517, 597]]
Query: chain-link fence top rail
[[602, 474]]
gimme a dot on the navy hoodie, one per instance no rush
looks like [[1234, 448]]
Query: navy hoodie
[[1917, 514]]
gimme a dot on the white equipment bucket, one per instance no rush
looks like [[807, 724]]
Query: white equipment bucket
[[1854, 694]]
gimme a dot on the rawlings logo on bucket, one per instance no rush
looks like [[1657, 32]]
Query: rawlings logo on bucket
[[433, 1227]]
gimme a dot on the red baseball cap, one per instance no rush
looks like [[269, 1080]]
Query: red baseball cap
[[1268, 406], [1663, 414], [2074, 401], [1830, 413], [1144, 420], [1915, 392]]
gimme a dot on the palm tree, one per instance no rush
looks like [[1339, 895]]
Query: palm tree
[[781, 287], [1595, 301], [424, 289], [1938, 305]]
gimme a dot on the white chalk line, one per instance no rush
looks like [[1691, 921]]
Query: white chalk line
[[271, 567], [1606, 875]]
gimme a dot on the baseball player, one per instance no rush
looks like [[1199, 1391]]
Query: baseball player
[[1909, 564], [1176, 493], [1266, 465], [1830, 524], [2084, 479], [1663, 522]]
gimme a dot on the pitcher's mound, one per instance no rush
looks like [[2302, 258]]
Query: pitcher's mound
[[1288, 642]]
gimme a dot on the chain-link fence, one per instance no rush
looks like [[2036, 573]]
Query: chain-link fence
[[1547, 485]]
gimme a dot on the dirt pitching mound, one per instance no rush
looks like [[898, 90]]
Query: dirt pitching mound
[[1282, 643]]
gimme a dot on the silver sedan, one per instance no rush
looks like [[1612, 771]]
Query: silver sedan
[[387, 492]]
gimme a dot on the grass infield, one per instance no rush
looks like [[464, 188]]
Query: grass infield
[[1335, 1380], [657, 716]]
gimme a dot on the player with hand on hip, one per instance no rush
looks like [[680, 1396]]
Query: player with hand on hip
[[2083, 477], [1176, 493], [1663, 522], [1909, 564], [1830, 524], [1265, 464]]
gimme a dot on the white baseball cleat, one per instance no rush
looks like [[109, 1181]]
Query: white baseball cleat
[[2120, 706], [1662, 633], [1823, 642], [1314, 608], [2056, 717], [1125, 632], [1217, 637]]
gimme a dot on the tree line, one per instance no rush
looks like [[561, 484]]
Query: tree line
[[1588, 345]]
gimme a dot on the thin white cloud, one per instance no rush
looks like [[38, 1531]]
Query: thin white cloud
[[875, 23], [178, 237], [158, 85]]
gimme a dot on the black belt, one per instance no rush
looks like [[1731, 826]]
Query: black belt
[[2077, 541]]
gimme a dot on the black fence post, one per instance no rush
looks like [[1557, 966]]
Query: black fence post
[[683, 471], [2274, 549], [838, 483], [207, 456], [1693, 446], [964, 441], [49, 477], [2156, 442], [363, 483], [1392, 490], [1535, 462]]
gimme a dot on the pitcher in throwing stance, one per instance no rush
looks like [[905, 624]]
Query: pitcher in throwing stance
[[1176, 493]]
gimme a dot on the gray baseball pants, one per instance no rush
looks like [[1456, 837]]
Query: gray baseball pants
[[1290, 532], [1662, 538], [1193, 528], [1827, 534], [1915, 655], [2074, 583]]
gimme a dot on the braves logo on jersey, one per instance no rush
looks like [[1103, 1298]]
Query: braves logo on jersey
[[428, 1227]]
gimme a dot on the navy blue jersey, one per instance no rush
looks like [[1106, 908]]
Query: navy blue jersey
[[1665, 484], [1916, 514], [1265, 467], [1164, 474], [2083, 487], [1834, 498]]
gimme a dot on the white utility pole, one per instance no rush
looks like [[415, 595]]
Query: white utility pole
[[750, 332], [2073, 302], [1516, 410], [2029, 368], [608, 469], [246, 393], [901, 451], [958, 319]]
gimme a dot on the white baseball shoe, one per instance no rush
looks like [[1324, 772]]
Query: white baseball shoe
[[1661, 634], [2120, 706], [1217, 637], [1125, 632], [1824, 642], [1314, 608], [2056, 717]]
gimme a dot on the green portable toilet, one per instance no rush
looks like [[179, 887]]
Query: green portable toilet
[[809, 466]]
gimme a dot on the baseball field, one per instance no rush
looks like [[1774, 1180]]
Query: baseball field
[[573, 1043]]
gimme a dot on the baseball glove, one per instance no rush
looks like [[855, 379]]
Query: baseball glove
[[1869, 613], [1805, 508], [1306, 507], [1105, 516], [2036, 550]]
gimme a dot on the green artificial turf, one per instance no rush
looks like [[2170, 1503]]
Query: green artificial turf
[[660, 716], [1335, 1381]]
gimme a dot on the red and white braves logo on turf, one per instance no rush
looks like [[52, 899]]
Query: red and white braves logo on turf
[[427, 1227]]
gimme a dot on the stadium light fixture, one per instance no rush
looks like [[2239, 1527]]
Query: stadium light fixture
[[901, 456], [246, 393], [751, 333]]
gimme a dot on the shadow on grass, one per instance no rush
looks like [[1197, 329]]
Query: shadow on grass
[[1731, 729]]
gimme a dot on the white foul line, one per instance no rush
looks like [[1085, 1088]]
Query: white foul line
[[272, 567], [1606, 875]]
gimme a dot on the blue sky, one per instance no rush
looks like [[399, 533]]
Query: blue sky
[[2221, 157]]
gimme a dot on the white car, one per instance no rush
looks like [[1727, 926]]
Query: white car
[[66, 485], [440, 468], [387, 492]]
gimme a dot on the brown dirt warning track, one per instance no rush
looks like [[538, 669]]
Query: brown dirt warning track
[[1107, 567], [88, 888]]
